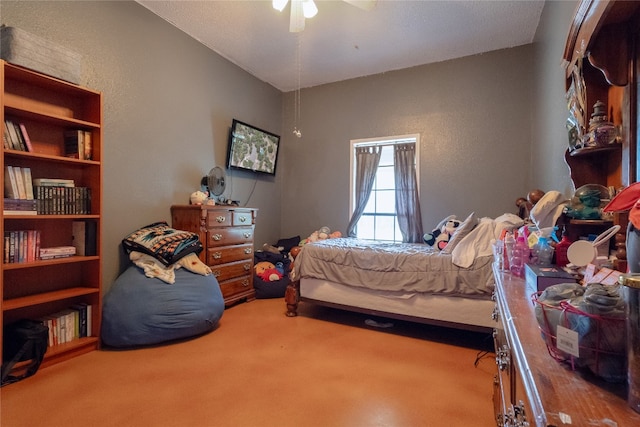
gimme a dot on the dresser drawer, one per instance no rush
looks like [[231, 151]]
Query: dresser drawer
[[242, 218], [222, 218], [229, 236], [234, 269], [224, 254], [235, 286]]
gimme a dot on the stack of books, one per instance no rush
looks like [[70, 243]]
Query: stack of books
[[19, 207], [18, 191], [57, 252]]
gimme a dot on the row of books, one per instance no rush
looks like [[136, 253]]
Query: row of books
[[15, 136], [68, 325], [18, 183], [62, 200], [24, 245], [77, 143], [21, 246]]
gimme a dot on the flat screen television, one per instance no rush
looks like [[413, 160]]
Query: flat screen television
[[252, 149]]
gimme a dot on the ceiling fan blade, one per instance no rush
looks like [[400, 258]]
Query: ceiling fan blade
[[297, 17], [363, 4]]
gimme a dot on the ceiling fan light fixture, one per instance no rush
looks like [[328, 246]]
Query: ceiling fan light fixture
[[309, 8], [279, 5]]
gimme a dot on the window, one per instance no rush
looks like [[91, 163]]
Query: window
[[379, 220]]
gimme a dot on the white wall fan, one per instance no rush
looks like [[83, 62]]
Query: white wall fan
[[215, 182], [301, 9]]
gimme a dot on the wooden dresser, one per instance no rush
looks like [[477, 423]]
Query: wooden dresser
[[226, 232], [531, 387]]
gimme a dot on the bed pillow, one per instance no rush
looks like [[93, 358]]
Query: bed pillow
[[162, 242], [461, 232]]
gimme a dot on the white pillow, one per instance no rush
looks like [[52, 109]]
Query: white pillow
[[461, 232]]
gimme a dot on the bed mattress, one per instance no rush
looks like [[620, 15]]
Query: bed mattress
[[394, 267]]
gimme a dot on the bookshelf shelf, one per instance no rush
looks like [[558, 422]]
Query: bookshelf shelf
[[51, 118], [46, 297], [48, 108], [48, 262], [15, 154]]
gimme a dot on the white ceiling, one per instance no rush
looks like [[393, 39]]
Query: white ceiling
[[343, 42]]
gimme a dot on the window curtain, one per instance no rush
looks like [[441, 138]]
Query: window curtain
[[367, 161], [407, 198]]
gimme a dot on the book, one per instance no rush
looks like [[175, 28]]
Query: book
[[10, 183], [54, 182], [58, 250], [5, 138], [22, 191], [25, 137], [81, 309], [14, 142], [19, 204], [21, 143], [28, 185], [74, 144], [88, 146], [85, 237]]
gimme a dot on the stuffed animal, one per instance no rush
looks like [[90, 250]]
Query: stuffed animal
[[198, 198], [322, 233], [441, 235], [267, 271]]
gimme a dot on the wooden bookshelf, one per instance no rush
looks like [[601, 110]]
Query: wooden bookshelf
[[48, 107]]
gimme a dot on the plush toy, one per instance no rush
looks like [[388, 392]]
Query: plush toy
[[322, 233], [270, 248], [198, 198], [267, 271], [441, 235]]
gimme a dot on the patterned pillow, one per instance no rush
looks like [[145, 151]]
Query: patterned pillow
[[162, 242], [463, 229]]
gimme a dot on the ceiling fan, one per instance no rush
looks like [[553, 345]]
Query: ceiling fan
[[301, 9]]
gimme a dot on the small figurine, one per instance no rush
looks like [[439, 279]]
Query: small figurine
[[589, 208]]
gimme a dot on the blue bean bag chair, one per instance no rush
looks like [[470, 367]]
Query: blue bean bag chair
[[138, 310]]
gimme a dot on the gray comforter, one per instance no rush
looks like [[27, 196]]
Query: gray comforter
[[394, 267]]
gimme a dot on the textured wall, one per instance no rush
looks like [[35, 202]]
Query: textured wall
[[168, 105], [550, 171], [474, 118]]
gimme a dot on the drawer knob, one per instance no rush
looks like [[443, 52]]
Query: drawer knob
[[247, 235], [220, 219], [245, 283], [217, 255], [243, 219], [248, 250], [247, 267], [503, 359], [217, 237], [216, 273]]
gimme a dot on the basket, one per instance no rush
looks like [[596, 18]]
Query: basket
[[601, 339]]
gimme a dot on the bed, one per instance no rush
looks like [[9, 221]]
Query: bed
[[405, 281]]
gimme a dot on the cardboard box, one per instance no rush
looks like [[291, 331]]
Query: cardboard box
[[39, 54], [538, 277]]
